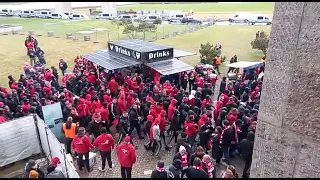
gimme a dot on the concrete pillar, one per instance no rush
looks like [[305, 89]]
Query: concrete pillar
[[109, 7], [63, 7], [287, 142]]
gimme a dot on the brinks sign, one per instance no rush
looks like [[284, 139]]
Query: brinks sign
[[160, 55], [124, 51]]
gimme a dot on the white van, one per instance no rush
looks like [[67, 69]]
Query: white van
[[150, 18], [59, 16], [260, 19], [241, 17], [68, 14], [177, 17], [106, 16], [44, 14], [79, 16], [26, 14], [6, 12], [133, 17]]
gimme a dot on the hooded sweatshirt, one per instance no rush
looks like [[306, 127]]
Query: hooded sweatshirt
[[155, 130], [175, 169], [104, 142], [126, 154], [121, 104], [162, 118], [81, 143], [203, 120], [171, 109]]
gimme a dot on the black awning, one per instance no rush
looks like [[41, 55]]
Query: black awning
[[110, 61], [177, 53], [170, 66]]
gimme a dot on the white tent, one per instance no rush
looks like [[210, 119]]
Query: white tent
[[245, 65]]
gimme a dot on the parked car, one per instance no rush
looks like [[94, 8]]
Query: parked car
[[26, 14], [176, 17], [150, 18], [260, 18], [79, 16], [191, 20], [59, 16], [68, 14], [106, 16], [241, 17], [44, 14], [133, 17], [6, 12]]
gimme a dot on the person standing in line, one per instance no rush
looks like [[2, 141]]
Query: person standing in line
[[123, 126], [126, 156], [69, 129], [81, 144], [63, 66], [246, 149], [105, 144]]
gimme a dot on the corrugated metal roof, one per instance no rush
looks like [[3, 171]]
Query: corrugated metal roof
[[170, 66], [139, 45], [177, 53], [110, 60]]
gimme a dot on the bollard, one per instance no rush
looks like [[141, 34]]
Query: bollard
[[50, 33], [86, 38], [69, 36]]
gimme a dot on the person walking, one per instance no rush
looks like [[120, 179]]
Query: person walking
[[63, 66], [69, 129], [81, 144], [105, 144], [246, 149], [126, 156], [217, 63]]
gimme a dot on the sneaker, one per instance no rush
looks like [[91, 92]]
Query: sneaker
[[100, 169]]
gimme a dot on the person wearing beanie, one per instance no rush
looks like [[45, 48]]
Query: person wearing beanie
[[184, 157], [33, 174], [160, 171], [105, 144], [81, 144], [126, 156]]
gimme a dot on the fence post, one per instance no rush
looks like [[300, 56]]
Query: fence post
[[37, 129], [48, 142]]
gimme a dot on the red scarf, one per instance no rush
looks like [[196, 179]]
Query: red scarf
[[184, 160], [210, 169], [198, 167], [236, 132], [221, 136], [160, 169]]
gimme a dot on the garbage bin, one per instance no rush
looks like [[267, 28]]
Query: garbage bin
[[86, 38], [69, 36]]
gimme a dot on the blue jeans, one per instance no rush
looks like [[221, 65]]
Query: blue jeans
[[63, 72], [226, 154], [190, 141]]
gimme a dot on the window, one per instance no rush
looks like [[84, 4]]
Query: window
[[235, 15], [179, 15], [260, 17], [152, 17], [76, 15], [26, 12], [106, 15], [44, 13], [127, 17], [266, 18], [55, 15], [4, 10], [82, 16]]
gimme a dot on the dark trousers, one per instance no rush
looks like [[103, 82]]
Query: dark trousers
[[174, 135], [226, 154], [68, 145], [84, 162], [121, 137], [163, 137], [217, 68], [246, 169], [126, 172], [191, 84], [106, 155], [156, 147], [136, 126]]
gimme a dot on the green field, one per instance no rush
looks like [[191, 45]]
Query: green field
[[234, 39], [207, 7]]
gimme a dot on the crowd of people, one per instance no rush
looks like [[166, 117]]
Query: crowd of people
[[161, 109]]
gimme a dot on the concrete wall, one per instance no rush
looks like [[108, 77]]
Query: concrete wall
[[288, 135]]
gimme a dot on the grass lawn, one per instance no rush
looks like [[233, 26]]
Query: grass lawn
[[234, 39], [261, 7]]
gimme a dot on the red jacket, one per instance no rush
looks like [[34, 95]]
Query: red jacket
[[130, 100], [113, 85], [107, 98], [104, 142], [149, 98], [82, 108], [126, 155], [92, 79], [190, 128], [171, 109], [104, 112], [48, 75], [153, 112], [204, 119], [121, 104], [162, 118], [25, 108], [81, 145], [46, 91], [159, 109], [232, 118], [96, 105], [3, 119]]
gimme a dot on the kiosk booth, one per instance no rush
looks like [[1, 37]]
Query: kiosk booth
[[128, 53], [247, 66]]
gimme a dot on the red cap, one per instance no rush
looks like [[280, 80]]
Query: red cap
[[55, 160], [127, 139]]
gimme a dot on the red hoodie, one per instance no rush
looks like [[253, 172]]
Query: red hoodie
[[82, 108], [88, 102], [232, 117], [200, 82], [81, 145], [92, 78], [190, 128], [107, 98], [121, 104], [48, 75], [96, 105], [126, 154], [159, 108], [104, 142], [149, 98], [153, 112], [162, 117], [204, 119], [3, 119], [113, 85], [156, 121], [47, 91], [25, 108], [206, 101], [130, 100], [104, 112], [171, 109]]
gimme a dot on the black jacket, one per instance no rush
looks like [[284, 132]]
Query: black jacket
[[191, 172], [227, 138], [133, 116], [246, 147], [63, 65], [183, 142], [123, 125], [222, 86], [157, 174], [175, 169], [193, 156]]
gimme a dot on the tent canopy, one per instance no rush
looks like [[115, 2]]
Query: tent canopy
[[177, 53], [245, 65], [110, 60], [170, 66]]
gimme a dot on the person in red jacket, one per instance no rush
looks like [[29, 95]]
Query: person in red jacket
[[149, 97], [204, 118], [113, 86], [105, 144], [232, 115], [162, 126], [3, 118], [96, 104], [191, 130], [83, 112], [171, 109], [153, 111], [92, 78], [25, 106], [126, 156], [81, 145], [121, 104], [104, 112], [107, 97], [206, 101]]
